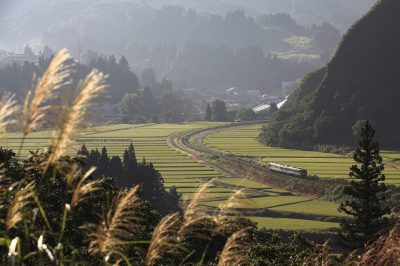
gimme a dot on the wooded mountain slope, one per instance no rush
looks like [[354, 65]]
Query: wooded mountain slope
[[360, 82]]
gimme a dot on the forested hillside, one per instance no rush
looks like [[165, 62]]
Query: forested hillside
[[216, 51], [361, 82], [341, 13]]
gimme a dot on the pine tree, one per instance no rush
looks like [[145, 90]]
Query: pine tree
[[124, 63], [130, 166], [365, 200], [219, 111], [103, 163], [83, 151], [115, 167], [93, 160], [208, 114], [130, 157], [93, 157]]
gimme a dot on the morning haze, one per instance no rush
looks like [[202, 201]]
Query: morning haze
[[199, 132]]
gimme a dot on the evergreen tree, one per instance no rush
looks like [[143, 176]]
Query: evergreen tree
[[208, 114], [365, 195], [130, 166], [219, 111], [153, 186], [83, 151], [124, 63], [93, 157], [93, 160], [103, 163], [115, 167]]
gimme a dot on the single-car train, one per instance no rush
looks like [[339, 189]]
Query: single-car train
[[288, 170]]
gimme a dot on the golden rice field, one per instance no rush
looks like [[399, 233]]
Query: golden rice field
[[187, 174], [242, 141]]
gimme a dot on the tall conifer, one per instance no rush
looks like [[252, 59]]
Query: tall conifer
[[365, 200]]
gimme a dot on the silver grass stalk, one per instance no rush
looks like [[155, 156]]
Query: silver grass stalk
[[192, 208], [164, 238], [118, 225], [82, 190], [21, 200], [8, 108], [235, 249], [38, 102], [72, 117], [232, 202]]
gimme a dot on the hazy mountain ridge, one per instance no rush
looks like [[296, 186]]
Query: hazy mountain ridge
[[361, 82], [25, 20]]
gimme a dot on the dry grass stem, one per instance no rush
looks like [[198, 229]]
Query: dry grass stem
[[385, 251], [232, 202], [203, 227], [21, 200], [83, 190], [118, 225], [234, 252], [164, 238], [71, 118], [8, 108], [38, 103], [200, 194]]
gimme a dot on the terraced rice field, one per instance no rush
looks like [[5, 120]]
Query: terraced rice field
[[279, 209], [149, 140], [242, 141], [187, 174]]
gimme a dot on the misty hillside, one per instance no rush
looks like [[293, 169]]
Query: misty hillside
[[361, 82], [200, 50], [341, 13], [27, 20]]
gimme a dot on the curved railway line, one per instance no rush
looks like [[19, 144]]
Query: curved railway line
[[192, 143]]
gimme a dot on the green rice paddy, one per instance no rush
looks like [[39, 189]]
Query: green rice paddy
[[242, 141], [150, 142], [187, 174]]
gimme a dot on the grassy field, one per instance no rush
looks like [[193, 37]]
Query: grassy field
[[242, 141], [187, 175]]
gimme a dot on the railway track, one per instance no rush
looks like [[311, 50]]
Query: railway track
[[311, 186], [182, 142], [200, 148]]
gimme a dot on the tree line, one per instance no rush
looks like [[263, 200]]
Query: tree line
[[17, 78], [128, 172], [154, 101], [145, 106]]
